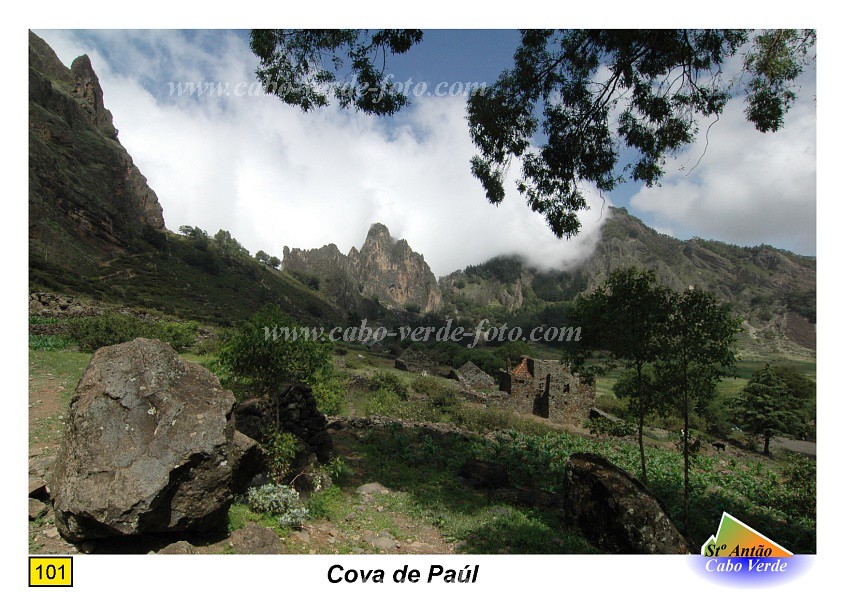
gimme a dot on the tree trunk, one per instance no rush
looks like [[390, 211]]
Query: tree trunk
[[686, 460], [766, 439], [641, 415]]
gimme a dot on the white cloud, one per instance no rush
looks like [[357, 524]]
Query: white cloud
[[749, 188], [274, 176]]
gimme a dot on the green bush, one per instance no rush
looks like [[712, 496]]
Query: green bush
[[391, 383], [281, 448], [49, 342], [251, 356], [798, 494], [92, 333], [611, 427], [438, 395], [281, 501], [382, 402], [207, 346], [330, 394]]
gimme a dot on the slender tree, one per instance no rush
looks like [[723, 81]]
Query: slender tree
[[623, 323], [698, 351]]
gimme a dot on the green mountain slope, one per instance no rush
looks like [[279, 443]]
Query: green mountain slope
[[773, 290], [97, 230]]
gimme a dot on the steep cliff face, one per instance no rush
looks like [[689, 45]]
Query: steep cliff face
[[384, 268], [87, 199]]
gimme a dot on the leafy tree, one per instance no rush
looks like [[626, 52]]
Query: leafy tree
[[191, 231], [513, 351], [270, 261], [568, 85], [229, 243], [251, 355], [199, 236], [765, 407], [623, 323], [802, 389], [798, 384], [301, 66], [640, 395], [698, 352]]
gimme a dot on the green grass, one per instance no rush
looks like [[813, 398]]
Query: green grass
[[423, 474], [207, 285]]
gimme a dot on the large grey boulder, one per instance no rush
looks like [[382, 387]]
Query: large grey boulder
[[615, 511], [147, 446]]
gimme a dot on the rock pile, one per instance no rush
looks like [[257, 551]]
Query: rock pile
[[293, 410]]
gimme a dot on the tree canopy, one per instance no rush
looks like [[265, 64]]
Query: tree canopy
[[571, 106], [766, 408]]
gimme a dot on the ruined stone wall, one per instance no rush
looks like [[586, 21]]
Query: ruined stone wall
[[547, 389]]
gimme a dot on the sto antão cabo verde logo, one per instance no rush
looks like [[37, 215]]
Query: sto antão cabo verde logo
[[738, 554]]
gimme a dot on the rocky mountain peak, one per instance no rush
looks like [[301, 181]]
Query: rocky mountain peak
[[87, 88], [378, 232], [384, 268], [84, 188]]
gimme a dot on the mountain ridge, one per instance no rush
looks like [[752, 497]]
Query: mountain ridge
[[771, 289]]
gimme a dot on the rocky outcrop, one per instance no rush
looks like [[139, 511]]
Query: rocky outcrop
[[615, 511], [293, 410], [85, 192], [147, 446], [384, 268]]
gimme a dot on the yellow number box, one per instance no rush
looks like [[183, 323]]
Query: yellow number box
[[50, 571]]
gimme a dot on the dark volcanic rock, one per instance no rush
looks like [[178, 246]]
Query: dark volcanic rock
[[147, 446], [615, 511], [248, 460]]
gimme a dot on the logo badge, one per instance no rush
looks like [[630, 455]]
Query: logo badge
[[740, 555]]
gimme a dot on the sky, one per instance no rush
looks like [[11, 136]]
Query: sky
[[274, 176]]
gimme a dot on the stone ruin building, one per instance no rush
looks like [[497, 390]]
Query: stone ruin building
[[548, 389], [471, 375]]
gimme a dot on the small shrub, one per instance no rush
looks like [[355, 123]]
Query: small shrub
[[438, 396], [207, 346], [49, 342], [338, 469], [382, 402], [611, 427], [281, 448], [390, 383], [92, 333], [330, 394], [281, 501], [179, 335]]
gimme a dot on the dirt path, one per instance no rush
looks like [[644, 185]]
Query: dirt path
[[800, 446]]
